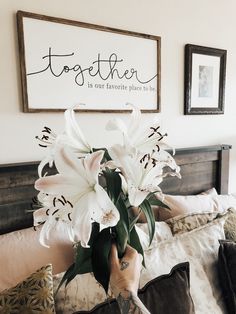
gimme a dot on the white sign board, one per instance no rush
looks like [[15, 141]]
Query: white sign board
[[64, 63]]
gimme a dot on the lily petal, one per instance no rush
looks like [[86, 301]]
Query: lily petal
[[106, 213], [74, 132], [81, 218], [92, 165], [136, 196], [60, 184]]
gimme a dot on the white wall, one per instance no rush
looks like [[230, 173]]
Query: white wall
[[209, 23]]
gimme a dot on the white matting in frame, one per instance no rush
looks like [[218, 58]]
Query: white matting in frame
[[64, 63]]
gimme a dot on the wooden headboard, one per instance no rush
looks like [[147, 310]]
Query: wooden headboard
[[201, 168]]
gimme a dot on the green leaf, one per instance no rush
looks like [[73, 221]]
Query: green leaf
[[122, 237], [68, 274], [147, 210], [113, 184], [106, 154], [133, 221], [122, 228], [83, 259], [135, 243], [100, 257], [153, 200]]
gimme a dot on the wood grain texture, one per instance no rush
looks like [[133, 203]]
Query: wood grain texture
[[201, 168]]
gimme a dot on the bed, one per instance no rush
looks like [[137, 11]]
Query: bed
[[202, 168]]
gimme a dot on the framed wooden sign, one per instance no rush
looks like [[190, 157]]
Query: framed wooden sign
[[205, 70], [64, 63]]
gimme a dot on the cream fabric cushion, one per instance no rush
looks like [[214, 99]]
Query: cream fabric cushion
[[21, 254], [187, 204], [84, 292], [200, 248], [224, 202], [161, 214]]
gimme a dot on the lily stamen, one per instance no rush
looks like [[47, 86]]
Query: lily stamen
[[55, 212], [49, 131], [54, 201], [70, 204], [59, 200], [44, 141]]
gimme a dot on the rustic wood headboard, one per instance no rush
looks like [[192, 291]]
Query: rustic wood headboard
[[201, 168]]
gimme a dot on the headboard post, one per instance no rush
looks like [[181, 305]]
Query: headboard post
[[224, 169]]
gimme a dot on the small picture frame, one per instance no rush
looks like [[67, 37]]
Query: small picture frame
[[205, 70]]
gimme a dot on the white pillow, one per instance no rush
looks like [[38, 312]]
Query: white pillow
[[200, 248], [182, 204], [223, 202], [208, 201]]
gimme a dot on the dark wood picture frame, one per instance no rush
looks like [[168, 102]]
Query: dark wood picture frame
[[118, 36], [204, 87]]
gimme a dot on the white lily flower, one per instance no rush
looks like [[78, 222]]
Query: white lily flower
[[72, 137], [145, 137], [142, 173], [55, 214], [78, 180]]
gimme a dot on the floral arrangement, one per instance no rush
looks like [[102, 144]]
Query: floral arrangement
[[93, 191]]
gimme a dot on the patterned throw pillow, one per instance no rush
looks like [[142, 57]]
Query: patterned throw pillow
[[188, 222], [230, 226], [33, 295]]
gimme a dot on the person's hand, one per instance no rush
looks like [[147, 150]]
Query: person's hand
[[125, 272]]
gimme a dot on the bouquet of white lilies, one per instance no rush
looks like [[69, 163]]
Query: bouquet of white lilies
[[93, 191]]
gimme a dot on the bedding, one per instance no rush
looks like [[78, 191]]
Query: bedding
[[227, 273], [200, 248], [23, 246], [184, 223], [32, 295], [196, 242], [187, 204], [230, 226], [84, 292], [166, 294]]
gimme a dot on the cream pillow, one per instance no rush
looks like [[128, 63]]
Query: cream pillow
[[200, 248], [224, 202], [84, 292], [187, 204], [180, 204], [208, 201], [22, 254]]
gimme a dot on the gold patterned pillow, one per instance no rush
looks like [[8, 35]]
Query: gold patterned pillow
[[230, 226], [188, 222], [33, 295]]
